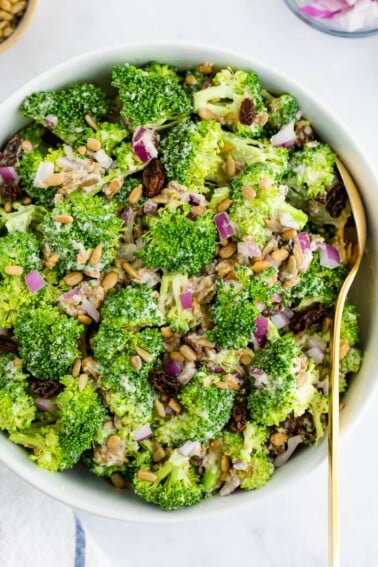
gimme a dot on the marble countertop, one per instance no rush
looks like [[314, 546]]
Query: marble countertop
[[289, 529]]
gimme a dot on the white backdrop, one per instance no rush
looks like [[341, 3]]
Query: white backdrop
[[290, 530]]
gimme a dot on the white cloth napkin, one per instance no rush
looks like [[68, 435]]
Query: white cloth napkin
[[38, 531]]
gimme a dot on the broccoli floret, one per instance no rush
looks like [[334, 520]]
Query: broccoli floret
[[260, 287], [47, 341], [122, 197], [282, 110], [176, 485], [178, 244], [151, 96], [127, 161], [350, 329], [64, 112], [190, 153], [35, 134], [207, 410], [132, 307], [28, 169], [22, 217], [312, 172], [249, 215], [14, 296], [77, 419], [109, 134], [317, 285], [248, 449], [247, 151], [280, 362], [17, 409], [94, 223], [227, 100], [19, 249], [172, 286], [212, 470], [318, 407], [234, 316]]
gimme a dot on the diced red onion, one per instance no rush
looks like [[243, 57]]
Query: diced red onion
[[50, 121], [45, 169], [194, 199], [8, 175], [187, 373], [69, 151], [45, 405], [70, 294], [304, 242], [285, 136], [261, 379], [316, 341], [249, 249], [186, 299], [276, 298], [190, 449], [292, 444], [261, 331], [150, 207], [260, 306], [173, 368], [240, 466], [230, 486], [103, 159], [34, 281], [288, 312], [280, 320], [329, 256], [90, 310], [142, 433], [316, 354], [144, 144], [224, 225]]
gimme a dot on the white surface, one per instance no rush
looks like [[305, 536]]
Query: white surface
[[290, 529]]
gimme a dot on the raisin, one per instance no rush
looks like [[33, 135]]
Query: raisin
[[336, 199], [9, 191], [164, 383], [247, 112], [239, 415], [153, 178], [308, 317], [10, 155], [7, 345], [46, 389]]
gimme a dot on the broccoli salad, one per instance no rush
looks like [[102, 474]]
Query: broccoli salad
[[170, 259]]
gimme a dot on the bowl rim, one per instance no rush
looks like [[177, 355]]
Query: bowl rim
[[21, 27], [201, 52]]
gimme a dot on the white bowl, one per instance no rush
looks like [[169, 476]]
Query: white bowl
[[81, 489]]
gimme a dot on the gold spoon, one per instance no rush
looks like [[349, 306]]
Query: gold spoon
[[333, 419]]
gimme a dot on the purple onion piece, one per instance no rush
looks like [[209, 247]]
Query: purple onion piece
[[173, 367], [224, 225], [45, 405], [142, 433], [261, 331]]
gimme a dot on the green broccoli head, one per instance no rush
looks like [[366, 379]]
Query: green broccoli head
[[175, 486], [133, 307], [28, 168], [17, 409], [312, 172], [246, 151], [47, 341], [235, 99], [318, 408], [178, 244], [317, 285], [281, 109], [127, 162], [14, 296], [234, 316], [94, 223], [19, 249], [249, 214], [171, 288], [257, 473], [77, 419], [190, 153], [350, 328], [152, 96], [350, 363], [64, 112], [207, 410], [22, 217], [280, 362], [35, 134], [109, 134], [260, 287]]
